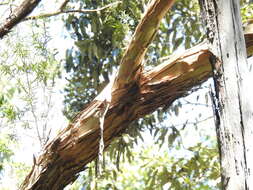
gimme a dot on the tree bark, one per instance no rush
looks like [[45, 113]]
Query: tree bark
[[17, 16], [232, 103]]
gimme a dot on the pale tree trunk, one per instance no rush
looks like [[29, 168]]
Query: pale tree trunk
[[232, 103], [133, 94]]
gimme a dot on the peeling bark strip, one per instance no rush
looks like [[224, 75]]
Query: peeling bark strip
[[101, 142], [233, 109], [17, 16]]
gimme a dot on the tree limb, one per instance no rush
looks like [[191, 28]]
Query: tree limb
[[130, 66], [26, 7], [62, 11]]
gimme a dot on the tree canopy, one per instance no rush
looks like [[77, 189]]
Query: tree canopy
[[136, 42]]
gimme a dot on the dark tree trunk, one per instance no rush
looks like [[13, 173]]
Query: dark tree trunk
[[231, 101], [26, 7]]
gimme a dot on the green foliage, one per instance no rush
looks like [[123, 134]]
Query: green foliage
[[20, 170], [28, 74], [101, 38], [7, 110], [183, 172], [26, 64], [180, 29], [247, 12], [5, 151], [155, 168]]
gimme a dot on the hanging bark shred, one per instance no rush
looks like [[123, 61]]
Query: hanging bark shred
[[101, 142]]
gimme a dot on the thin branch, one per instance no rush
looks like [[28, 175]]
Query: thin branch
[[193, 123], [4, 3], [61, 11], [196, 103], [30, 102], [63, 5]]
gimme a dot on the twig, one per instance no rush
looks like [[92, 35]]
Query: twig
[[4, 3], [196, 104], [193, 123], [61, 11], [63, 5], [30, 102]]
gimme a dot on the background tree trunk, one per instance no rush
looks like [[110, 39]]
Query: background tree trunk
[[231, 102], [17, 16]]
